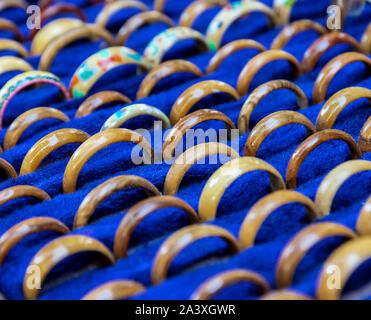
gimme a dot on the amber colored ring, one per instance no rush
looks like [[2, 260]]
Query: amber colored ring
[[291, 30], [223, 177], [139, 212], [99, 99], [90, 31], [335, 179], [337, 103], [115, 290], [182, 238], [364, 140], [8, 44], [261, 92], [111, 8], [7, 25], [296, 249], [366, 40], [105, 190], [19, 191], [96, 143], [8, 169], [162, 71], [364, 219], [56, 251], [188, 98], [285, 294], [331, 69], [26, 119], [25, 228], [10, 63], [258, 62], [271, 123], [6, 4], [312, 142], [189, 121], [263, 208], [322, 45], [139, 20], [212, 286]]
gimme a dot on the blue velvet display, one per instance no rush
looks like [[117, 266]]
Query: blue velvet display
[[206, 257]]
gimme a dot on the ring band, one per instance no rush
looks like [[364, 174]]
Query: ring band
[[20, 191], [7, 25], [366, 40], [364, 140], [363, 222], [8, 169], [12, 45], [282, 9], [10, 63]]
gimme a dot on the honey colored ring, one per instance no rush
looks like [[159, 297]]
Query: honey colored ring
[[357, 251], [111, 8], [160, 44], [7, 25], [134, 110], [366, 40], [10, 63], [49, 143], [312, 142], [25, 228], [291, 30], [331, 69], [189, 121], [263, 208], [139, 212], [217, 283], [261, 92], [335, 179], [285, 294], [115, 290], [6, 4], [230, 48], [190, 157], [258, 62], [182, 238], [322, 45], [224, 176], [196, 9], [8, 44], [105, 190], [282, 9], [364, 140], [188, 98], [98, 64], [364, 219], [271, 123], [162, 71], [137, 21], [337, 103], [8, 169], [26, 119], [99, 99], [296, 249], [90, 31], [232, 12], [20, 191], [56, 251], [96, 143]]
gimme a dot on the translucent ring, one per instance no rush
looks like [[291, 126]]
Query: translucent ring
[[366, 40], [364, 140], [364, 219], [20, 191], [10, 26], [8, 169], [10, 63], [8, 44], [282, 9]]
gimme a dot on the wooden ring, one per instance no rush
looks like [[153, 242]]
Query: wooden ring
[[7, 25], [89, 31], [263, 208], [56, 251], [337, 103], [8, 44], [223, 177], [285, 294], [364, 140], [160, 44], [190, 157], [98, 100], [96, 143], [139, 212], [271, 123], [105, 190], [261, 92], [115, 290], [229, 14], [49, 143], [6, 4], [8, 169], [319, 47], [186, 123], [212, 286], [111, 8], [366, 40], [181, 239], [364, 219], [258, 62], [20, 191], [98, 64], [289, 31], [134, 110], [335, 179], [137, 21], [25, 228], [10, 63], [230, 48], [312, 142], [26, 119], [331, 69], [296, 249], [162, 71]]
